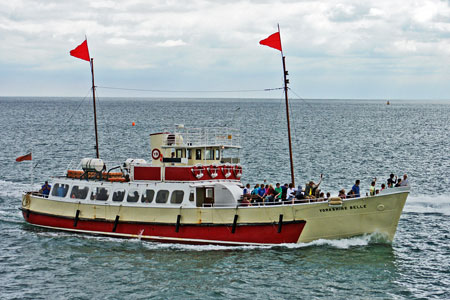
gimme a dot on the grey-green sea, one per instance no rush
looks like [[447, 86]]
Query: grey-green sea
[[343, 139]]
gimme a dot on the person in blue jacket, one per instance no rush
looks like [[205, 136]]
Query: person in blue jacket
[[355, 189], [46, 189]]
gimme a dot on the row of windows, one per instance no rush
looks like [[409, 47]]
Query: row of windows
[[132, 195], [210, 154]]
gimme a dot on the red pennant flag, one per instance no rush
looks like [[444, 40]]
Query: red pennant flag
[[273, 41], [81, 51], [24, 157]]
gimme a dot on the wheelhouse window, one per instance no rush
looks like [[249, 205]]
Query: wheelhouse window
[[147, 196], [198, 154], [191, 196], [79, 192], [217, 154], [118, 195], [60, 190], [133, 196], [189, 153], [100, 194], [179, 153], [162, 196], [209, 154], [177, 197]]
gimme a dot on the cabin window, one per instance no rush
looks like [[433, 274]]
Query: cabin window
[[60, 190], [100, 194], [198, 154], [179, 153], [147, 196], [162, 196], [133, 196], [177, 197], [78, 192], [191, 196], [189, 153], [217, 154], [118, 195], [209, 154]]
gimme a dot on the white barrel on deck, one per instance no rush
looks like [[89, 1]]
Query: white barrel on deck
[[92, 164]]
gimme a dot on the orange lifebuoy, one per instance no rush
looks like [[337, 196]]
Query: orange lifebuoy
[[117, 179], [74, 173]]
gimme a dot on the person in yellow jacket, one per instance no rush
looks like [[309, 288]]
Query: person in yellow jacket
[[372, 187]]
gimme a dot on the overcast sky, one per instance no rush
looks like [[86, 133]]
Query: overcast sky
[[379, 49]]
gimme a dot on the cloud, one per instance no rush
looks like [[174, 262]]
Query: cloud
[[171, 43], [343, 39]]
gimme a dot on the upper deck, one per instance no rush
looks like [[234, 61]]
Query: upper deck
[[184, 137], [195, 146]]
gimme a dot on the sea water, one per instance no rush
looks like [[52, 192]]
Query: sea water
[[343, 139]]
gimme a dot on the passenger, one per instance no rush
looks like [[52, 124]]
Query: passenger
[[322, 196], [46, 189], [383, 187], [278, 192], [328, 196], [377, 191], [405, 180], [270, 195], [247, 191], [342, 194], [311, 188], [299, 193], [60, 191], [351, 194], [261, 194], [355, 189], [284, 190], [372, 187], [399, 183], [246, 202], [255, 190], [391, 181], [290, 193]]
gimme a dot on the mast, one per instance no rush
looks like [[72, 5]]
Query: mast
[[286, 81], [95, 110]]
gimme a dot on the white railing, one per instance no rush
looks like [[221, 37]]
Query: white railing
[[211, 136]]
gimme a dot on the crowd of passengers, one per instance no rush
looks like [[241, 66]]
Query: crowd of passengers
[[287, 193]]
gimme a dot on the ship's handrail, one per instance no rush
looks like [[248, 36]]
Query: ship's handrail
[[210, 136]]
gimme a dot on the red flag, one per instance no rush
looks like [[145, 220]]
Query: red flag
[[24, 157], [81, 51], [273, 41]]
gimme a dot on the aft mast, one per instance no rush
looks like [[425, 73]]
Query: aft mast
[[274, 41], [286, 81]]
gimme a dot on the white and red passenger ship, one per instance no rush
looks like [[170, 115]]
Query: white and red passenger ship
[[190, 192]]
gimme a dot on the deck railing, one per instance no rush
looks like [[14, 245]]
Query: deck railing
[[211, 136]]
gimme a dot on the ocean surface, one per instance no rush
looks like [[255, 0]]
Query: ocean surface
[[343, 139]]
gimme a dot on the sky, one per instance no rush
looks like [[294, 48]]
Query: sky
[[369, 49]]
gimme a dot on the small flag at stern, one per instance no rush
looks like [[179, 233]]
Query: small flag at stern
[[24, 157]]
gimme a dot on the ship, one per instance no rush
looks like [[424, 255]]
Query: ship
[[190, 192]]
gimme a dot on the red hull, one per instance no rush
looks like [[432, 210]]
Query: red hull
[[190, 234]]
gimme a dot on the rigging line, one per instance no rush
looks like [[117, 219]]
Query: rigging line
[[192, 91], [306, 102], [76, 110]]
